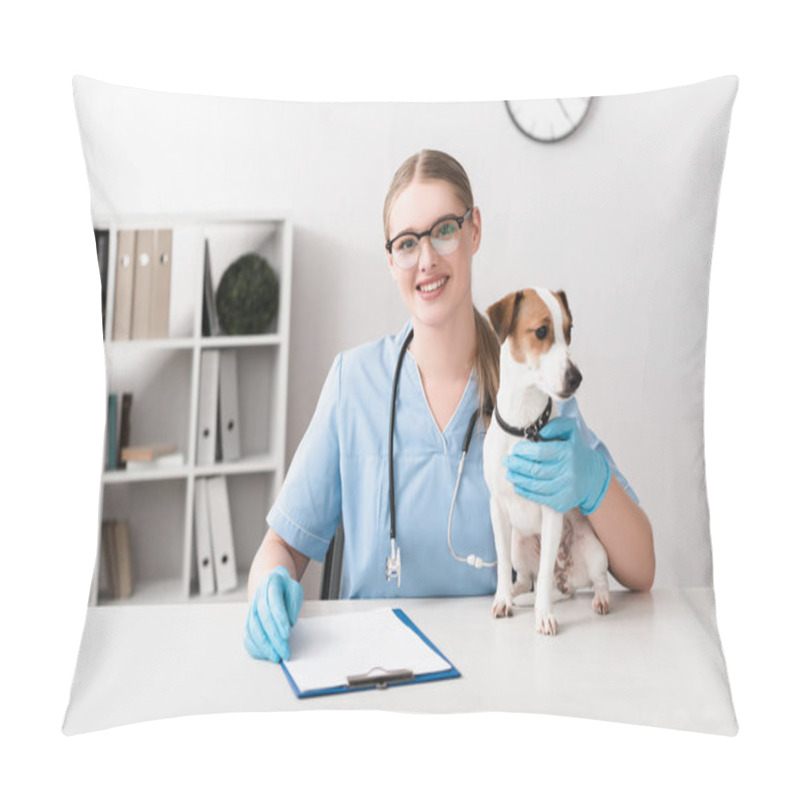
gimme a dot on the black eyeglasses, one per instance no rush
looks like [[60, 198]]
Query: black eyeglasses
[[445, 235]]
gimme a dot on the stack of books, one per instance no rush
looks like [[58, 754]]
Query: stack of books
[[143, 458]]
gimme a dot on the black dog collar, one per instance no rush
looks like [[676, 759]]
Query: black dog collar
[[530, 432]]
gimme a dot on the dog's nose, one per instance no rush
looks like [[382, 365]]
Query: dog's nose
[[572, 379]]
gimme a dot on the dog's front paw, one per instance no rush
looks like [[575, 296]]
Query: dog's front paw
[[601, 603], [501, 606], [546, 624]]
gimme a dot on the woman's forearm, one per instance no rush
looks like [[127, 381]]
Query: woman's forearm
[[624, 529], [274, 552]]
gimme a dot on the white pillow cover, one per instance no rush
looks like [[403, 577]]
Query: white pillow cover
[[621, 215]]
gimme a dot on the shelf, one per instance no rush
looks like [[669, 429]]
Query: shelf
[[156, 474], [274, 218], [187, 343], [253, 340], [244, 466], [164, 376], [184, 343], [205, 342], [160, 592]]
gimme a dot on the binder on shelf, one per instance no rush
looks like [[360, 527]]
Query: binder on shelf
[[101, 241], [124, 572], [142, 283], [210, 318], [202, 533], [116, 571], [208, 407], [108, 562], [111, 433], [219, 515], [123, 292], [229, 406], [124, 427], [161, 282]]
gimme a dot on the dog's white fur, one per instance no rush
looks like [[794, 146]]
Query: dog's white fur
[[561, 552]]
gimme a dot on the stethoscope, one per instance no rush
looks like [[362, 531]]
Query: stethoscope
[[393, 561]]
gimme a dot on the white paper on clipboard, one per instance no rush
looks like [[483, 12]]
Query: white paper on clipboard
[[325, 650]]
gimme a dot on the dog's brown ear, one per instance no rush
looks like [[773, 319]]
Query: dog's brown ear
[[503, 314], [562, 295]]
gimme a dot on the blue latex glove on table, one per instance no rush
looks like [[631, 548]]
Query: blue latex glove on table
[[561, 474], [272, 614]]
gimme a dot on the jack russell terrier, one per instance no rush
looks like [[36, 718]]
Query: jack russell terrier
[[561, 551]]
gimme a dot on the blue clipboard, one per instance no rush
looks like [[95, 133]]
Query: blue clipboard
[[381, 679]]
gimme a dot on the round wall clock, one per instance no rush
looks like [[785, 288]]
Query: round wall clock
[[548, 120]]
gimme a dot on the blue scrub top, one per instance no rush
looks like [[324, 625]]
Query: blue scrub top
[[340, 473]]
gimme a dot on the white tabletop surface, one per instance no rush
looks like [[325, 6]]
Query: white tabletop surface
[[654, 660]]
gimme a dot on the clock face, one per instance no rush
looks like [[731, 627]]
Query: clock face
[[548, 120]]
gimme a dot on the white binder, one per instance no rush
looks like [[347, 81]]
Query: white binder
[[229, 406], [207, 412], [221, 534], [202, 533]]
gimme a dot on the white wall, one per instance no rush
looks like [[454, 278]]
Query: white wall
[[620, 215]]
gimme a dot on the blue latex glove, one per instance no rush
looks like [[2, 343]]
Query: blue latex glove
[[272, 613], [560, 474]]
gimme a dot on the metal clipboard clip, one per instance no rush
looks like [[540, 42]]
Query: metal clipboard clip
[[382, 680]]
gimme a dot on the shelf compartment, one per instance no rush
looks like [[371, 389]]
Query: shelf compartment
[[229, 241], [258, 392], [186, 267], [160, 382], [155, 511], [250, 497]]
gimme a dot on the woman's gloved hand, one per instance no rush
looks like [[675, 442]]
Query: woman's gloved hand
[[273, 612], [561, 474]]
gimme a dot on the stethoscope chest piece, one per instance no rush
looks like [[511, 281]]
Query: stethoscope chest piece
[[393, 565]]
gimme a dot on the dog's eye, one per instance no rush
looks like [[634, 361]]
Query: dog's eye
[[541, 333]]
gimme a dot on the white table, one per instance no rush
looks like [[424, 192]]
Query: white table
[[655, 660]]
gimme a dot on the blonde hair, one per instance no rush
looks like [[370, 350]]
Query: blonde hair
[[435, 165]]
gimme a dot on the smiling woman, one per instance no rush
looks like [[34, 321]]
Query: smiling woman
[[433, 230]]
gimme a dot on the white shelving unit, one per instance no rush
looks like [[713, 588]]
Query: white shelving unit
[[164, 377]]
